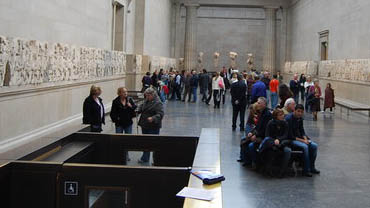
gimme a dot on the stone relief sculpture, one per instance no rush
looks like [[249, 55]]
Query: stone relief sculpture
[[233, 56], [216, 59], [200, 60], [31, 62], [139, 62], [250, 61], [181, 63], [349, 69]]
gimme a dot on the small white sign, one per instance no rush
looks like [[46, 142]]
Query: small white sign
[[70, 188]]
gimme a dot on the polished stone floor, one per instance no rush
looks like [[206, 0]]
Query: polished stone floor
[[343, 158]]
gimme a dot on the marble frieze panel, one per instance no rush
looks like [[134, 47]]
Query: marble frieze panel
[[32, 62]]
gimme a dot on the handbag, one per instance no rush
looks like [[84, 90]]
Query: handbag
[[221, 84]]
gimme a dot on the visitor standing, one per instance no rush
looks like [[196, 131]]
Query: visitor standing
[[294, 87], [329, 98], [217, 86], [93, 110], [151, 117], [239, 101], [274, 85]]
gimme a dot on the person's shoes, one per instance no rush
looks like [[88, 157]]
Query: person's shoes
[[315, 171], [307, 174], [182, 100], [242, 129], [331, 112], [239, 160], [233, 128]]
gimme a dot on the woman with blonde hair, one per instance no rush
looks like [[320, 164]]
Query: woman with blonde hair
[[93, 110], [217, 86], [122, 112]]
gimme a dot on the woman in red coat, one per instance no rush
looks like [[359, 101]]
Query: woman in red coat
[[329, 98]]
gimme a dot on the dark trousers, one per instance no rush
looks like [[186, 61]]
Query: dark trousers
[[217, 98], [236, 110], [187, 92], [210, 93], [223, 96]]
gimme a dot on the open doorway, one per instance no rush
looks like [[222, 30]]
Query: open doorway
[[324, 45]]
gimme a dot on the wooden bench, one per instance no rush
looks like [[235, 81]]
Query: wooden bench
[[350, 105]]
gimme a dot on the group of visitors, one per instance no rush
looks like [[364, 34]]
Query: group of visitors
[[123, 110], [270, 138]]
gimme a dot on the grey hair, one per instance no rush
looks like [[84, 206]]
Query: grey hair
[[262, 99], [288, 102], [150, 91]]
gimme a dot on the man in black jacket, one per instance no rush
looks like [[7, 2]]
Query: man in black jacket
[[239, 101], [259, 133]]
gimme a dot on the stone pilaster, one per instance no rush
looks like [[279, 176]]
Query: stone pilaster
[[270, 40], [190, 52]]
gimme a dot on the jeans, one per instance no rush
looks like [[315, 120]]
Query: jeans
[[251, 152], [309, 154], [268, 95], [205, 94], [194, 91], [162, 96], [127, 130], [296, 99], [146, 155], [274, 100]]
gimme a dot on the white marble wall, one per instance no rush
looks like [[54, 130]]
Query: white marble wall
[[157, 29], [33, 62], [347, 22]]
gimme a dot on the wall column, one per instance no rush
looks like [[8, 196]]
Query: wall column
[[190, 36], [270, 40]]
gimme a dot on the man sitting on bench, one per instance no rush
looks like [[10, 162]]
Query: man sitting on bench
[[301, 141]]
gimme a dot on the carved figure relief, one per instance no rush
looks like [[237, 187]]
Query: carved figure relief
[[31, 62], [250, 61], [216, 60], [233, 56], [200, 60]]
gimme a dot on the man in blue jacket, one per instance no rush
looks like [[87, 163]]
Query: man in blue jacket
[[258, 90], [300, 140]]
